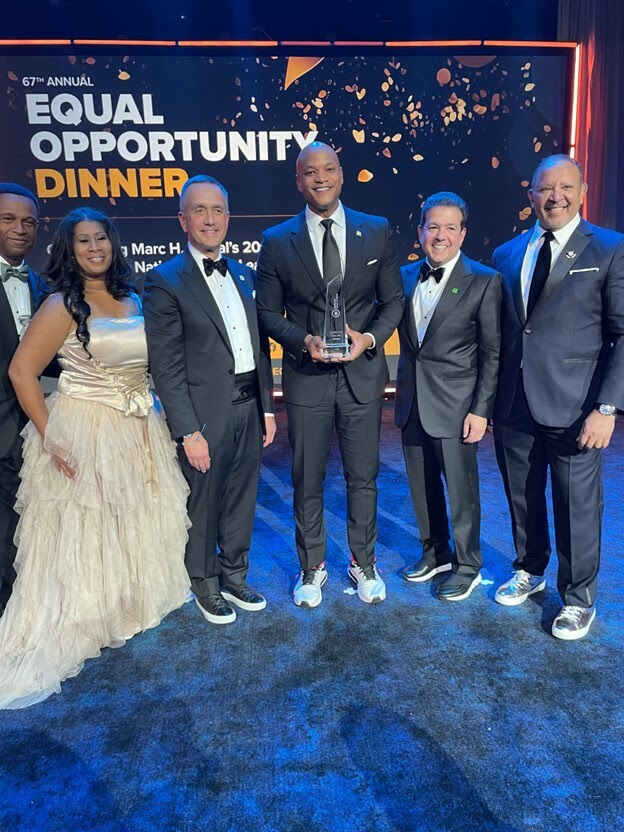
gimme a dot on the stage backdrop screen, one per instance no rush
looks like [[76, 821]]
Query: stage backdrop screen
[[123, 133]]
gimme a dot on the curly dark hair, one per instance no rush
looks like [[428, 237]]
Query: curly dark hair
[[62, 273]]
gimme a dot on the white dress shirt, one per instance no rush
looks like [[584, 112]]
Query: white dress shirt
[[339, 232], [18, 294], [427, 296], [562, 236], [232, 311]]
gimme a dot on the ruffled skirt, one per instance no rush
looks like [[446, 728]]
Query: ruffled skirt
[[100, 556]]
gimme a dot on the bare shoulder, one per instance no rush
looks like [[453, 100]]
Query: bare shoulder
[[53, 307]]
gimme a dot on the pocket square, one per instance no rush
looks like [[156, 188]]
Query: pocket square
[[577, 271], [370, 262]]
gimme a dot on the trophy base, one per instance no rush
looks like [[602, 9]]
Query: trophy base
[[335, 351]]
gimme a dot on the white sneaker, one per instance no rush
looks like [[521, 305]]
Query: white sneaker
[[573, 622], [307, 592], [518, 589], [370, 587]]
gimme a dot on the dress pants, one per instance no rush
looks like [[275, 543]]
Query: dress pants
[[427, 459], [10, 466], [222, 503], [310, 433], [524, 450]]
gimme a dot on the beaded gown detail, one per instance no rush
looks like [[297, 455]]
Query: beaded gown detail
[[100, 557]]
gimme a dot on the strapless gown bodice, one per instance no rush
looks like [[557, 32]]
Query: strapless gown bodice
[[116, 374]]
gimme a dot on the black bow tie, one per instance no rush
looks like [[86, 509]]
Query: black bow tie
[[426, 272], [20, 272], [220, 265]]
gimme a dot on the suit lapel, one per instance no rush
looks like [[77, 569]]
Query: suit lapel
[[575, 246], [355, 244], [515, 271], [245, 289], [8, 330], [195, 282], [410, 282], [303, 246], [459, 280]]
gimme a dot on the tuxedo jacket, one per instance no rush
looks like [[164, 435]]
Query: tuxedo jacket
[[290, 281], [12, 417], [455, 370], [571, 349], [190, 355]]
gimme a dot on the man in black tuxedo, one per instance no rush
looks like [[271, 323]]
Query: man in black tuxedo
[[19, 294], [297, 259], [446, 384], [212, 371], [561, 385]]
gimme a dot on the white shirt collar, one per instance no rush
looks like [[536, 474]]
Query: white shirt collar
[[448, 267], [314, 220], [199, 256], [561, 235], [6, 262]]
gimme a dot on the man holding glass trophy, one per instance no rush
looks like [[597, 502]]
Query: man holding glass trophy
[[329, 290]]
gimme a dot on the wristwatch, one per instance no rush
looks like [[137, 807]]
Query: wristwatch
[[606, 409]]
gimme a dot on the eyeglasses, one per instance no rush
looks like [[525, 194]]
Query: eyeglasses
[[10, 219]]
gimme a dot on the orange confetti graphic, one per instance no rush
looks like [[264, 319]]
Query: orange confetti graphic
[[443, 76], [123, 75], [495, 162], [364, 175], [359, 136], [297, 67], [525, 213]]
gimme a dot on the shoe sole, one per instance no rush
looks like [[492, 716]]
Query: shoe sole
[[478, 579], [216, 619], [306, 605], [446, 567], [243, 605], [515, 602], [377, 599], [566, 635]]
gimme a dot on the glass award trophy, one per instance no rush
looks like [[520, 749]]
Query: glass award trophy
[[335, 331]]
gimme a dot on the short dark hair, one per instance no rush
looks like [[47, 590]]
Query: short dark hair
[[202, 178], [447, 199], [555, 159], [18, 190]]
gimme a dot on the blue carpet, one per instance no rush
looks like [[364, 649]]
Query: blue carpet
[[409, 715]]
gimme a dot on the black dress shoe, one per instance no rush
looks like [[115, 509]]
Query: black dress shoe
[[457, 587], [425, 569], [216, 609], [244, 597]]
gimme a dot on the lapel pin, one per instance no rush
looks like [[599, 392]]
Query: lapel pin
[[241, 278], [454, 290], [570, 254], [358, 233]]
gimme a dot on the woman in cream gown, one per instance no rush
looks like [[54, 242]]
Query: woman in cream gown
[[102, 502]]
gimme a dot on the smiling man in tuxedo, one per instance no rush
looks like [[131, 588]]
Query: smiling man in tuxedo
[[212, 371], [446, 384], [19, 293], [561, 385], [296, 261]]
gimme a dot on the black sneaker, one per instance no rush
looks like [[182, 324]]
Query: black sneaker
[[244, 597], [216, 609]]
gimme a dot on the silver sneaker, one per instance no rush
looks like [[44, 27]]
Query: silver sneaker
[[518, 589], [573, 622], [307, 592], [370, 587]]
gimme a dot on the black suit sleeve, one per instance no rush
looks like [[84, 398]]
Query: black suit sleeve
[[165, 344], [612, 385], [488, 340], [271, 303]]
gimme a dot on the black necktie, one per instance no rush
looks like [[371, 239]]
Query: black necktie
[[540, 272], [331, 255], [20, 272], [220, 265], [426, 272]]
